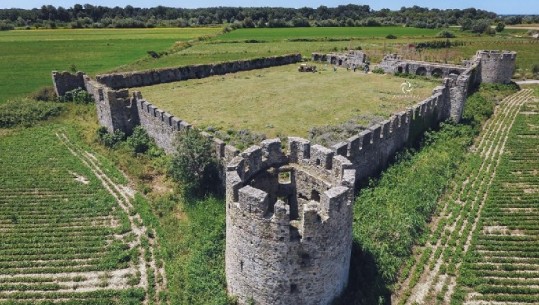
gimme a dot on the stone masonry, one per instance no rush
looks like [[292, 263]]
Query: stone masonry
[[352, 59], [289, 224], [65, 81]]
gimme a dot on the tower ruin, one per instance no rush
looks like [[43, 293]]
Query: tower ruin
[[288, 224]]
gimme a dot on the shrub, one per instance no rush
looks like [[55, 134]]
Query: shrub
[[478, 109], [4, 26], [391, 36], [77, 96], [26, 112], [378, 70], [110, 140], [535, 69], [194, 165], [500, 27], [46, 94], [139, 141], [445, 34]]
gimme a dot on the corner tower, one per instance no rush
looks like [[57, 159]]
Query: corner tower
[[288, 224], [497, 66]]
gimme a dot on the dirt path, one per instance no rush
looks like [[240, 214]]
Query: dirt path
[[438, 279]]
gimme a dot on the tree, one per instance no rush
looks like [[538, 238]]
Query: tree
[[500, 27], [194, 165]]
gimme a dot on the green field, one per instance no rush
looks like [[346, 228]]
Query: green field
[[69, 232], [29, 56], [281, 101], [347, 33]]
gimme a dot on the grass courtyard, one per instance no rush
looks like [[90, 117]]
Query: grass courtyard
[[281, 101]]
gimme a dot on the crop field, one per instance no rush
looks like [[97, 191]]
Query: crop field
[[70, 234], [282, 101], [482, 247], [29, 56]]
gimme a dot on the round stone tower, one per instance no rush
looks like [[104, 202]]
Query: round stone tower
[[288, 224], [497, 66]]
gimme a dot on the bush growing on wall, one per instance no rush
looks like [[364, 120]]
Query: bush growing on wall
[[110, 140], [194, 165], [77, 96]]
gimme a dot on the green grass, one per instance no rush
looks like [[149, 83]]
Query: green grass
[[281, 101], [346, 33], [29, 56]]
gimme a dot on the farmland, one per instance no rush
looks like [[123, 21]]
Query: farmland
[[479, 242], [281, 101], [29, 56], [69, 230]]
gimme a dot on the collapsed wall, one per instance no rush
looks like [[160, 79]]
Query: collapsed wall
[[352, 59], [289, 224], [65, 81]]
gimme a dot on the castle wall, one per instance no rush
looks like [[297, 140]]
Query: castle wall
[[65, 81], [288, 242], [167, 75]]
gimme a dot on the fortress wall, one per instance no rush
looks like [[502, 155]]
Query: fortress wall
[[167, 75], [372, 149], [163, 127], [65, 81]]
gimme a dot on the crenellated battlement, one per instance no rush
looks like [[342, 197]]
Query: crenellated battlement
[[294, 210], [496, 55]]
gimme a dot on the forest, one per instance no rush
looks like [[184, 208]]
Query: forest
[[90, 16]]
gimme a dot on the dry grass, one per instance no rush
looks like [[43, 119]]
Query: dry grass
[[281, 101]]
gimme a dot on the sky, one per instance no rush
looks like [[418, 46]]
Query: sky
[[497, 6]]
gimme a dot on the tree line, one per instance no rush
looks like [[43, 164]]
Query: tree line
[[90, 16]]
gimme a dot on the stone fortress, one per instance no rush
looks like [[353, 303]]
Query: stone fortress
[[289, 215]]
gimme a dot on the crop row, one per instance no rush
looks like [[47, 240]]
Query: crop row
[[503, 264], [459, 217], [58, 228]]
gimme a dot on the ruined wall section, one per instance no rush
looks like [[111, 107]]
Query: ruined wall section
[[115, 110], [65, 81], [351, 59], [393, 63], [167, 75], [288, 242]]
